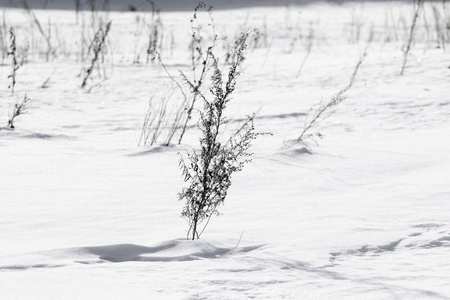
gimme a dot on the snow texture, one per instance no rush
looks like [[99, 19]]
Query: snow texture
[[86, 213]]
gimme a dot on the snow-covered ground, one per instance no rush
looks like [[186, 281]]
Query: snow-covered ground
[[86, 213]]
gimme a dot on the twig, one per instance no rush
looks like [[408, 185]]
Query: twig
[[19, 109], [12, 52], [98, 42], [44, 84], [335, 100], [411, 33], [238, 242]]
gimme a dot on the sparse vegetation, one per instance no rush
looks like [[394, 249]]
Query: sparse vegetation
[[47, 35], [12, 53], [95, 49], [418, 4], [18, 110], [3, 37], [325, 109], [234, 51], [208, 170], [184, 101], [159, 118], [181, 113], [100, 187], [200, 58], [44, 85], [155, 34]]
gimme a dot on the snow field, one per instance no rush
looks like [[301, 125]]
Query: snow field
[[86, 213]]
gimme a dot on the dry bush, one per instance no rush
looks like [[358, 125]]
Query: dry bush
[[155, 34], [208, 171], [4, 32], [96, 50], [162, 117], [46, 34], [418, 5], [13, 53], [18, 110]]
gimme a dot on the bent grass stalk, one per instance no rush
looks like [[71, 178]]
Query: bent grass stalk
[[14, 65], [337, 98], [96, 46], [418, 8]]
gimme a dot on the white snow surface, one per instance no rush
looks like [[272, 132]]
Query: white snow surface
[[86, 213]]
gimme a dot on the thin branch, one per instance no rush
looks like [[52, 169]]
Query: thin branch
[[411, 33]]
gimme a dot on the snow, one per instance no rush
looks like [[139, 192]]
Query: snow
[[87, 213]]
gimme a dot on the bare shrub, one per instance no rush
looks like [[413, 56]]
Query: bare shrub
[[180, 110], [233, 52], [12, 53], [200, 61], [4, 38], [208, 170], [95, 49], [200, 58], [140, 23], [178, 114], [155, 34], [418, 5], [156, 119], [46, 34], [18, 110], [441, 25]]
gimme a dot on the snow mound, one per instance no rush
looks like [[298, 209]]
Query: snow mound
[[169, 251], [425, 236], [176, 250]]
